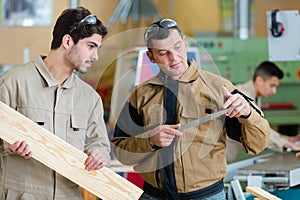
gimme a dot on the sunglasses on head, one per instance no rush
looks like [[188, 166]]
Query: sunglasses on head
[[154, 28], [90, 19]]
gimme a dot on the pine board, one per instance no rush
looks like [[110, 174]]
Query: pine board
[[63, 157], [260, 193]]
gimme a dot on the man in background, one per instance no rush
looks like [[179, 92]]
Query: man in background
[[265, 81]]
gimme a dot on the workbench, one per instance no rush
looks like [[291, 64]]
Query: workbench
[[277, 169]]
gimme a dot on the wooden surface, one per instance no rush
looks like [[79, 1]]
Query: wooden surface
[[260, 193], [63, 157]]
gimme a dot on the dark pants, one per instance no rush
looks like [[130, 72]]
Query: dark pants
[[219, 196]]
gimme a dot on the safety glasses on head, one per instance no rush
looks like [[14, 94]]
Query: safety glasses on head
[[90, 19], [154, 28]]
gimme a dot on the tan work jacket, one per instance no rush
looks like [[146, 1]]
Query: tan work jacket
[[72, 111], [277, 141], [200, 152]]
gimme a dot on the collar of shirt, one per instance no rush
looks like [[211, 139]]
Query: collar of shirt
[[47, 76], [190, 75]]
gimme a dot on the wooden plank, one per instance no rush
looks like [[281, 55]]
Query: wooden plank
[[63, 157], [260, 193]]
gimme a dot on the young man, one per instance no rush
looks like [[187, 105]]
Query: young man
[[265, 81], [48, 92], [189, 163]]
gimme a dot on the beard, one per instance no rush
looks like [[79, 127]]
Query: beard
[[83, 69]]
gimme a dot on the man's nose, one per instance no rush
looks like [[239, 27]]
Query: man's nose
[[274, 90], [172, 55], [95, 56]]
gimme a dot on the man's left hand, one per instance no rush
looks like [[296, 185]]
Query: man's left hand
[[96, 160], [234, 100]]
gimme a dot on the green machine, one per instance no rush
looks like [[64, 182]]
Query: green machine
[[237, 59]]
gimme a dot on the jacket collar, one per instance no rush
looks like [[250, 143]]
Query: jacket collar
[[251, 92], [190, 75], [47, 76]]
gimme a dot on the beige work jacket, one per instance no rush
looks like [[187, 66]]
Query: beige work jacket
[[72, 111]]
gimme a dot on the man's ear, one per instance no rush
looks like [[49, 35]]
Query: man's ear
[[67, 41], [150, 56], [259, 80], [185, 41]]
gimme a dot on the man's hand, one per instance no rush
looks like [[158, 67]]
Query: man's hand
[[21, 148], [96, 160], [234, 100], [294, 138], [292, 145], [163, 135]]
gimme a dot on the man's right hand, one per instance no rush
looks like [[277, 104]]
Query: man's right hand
[[163, 135], [21, 148]]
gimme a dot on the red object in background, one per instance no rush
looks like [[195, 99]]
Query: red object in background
[[136, 179], [278, 106]]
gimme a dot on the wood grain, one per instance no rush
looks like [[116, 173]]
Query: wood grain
[[260, 193], [63, 157]]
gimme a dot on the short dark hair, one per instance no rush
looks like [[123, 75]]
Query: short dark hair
[[161, 32], [68, 19], [268, 69]]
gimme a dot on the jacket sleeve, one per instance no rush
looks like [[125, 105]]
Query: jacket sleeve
[[130, 142], [277, 141], [4, 97], [255, 133], [254, 129], [96, 135]]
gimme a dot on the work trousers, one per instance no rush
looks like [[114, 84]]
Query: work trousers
[[219, 196]]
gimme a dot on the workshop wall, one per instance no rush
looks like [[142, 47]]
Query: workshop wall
[[198, 15], [260, 12], [193, 16], [38, 39]]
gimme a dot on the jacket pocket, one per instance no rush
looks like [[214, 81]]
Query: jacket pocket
[[38, 116], [197, 133], [76, 131]]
